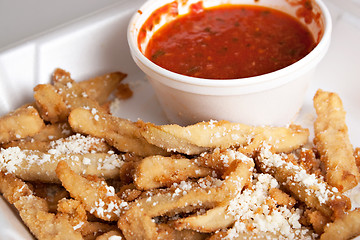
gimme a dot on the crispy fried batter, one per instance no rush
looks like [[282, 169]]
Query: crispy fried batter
[[52, 193], [281, 198], [220, 235], [343, 228], [213, 220], [23, 122], [170, 142], [55, 102], [332, 141], [73, 94], [166, 232], [123, 91], [98, 198], [219, 159], [137, 224], [309, 162], [209, 189], [34, 211], [318, 221], [41, 140], [305, 187], [119, 133], [50, 103], [158, 171], [129, 192], [205, 193], [127, 171], [200, 137], [37, 166], [74, 211], [13, 188], [93, 230], [99, 88]]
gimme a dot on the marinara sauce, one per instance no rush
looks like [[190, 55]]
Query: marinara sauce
[[229, 42]]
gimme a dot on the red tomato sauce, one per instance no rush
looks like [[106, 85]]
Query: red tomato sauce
[[229, 42]]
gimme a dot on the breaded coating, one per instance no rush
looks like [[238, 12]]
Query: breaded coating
[[333, 143], [50, 103], [200, 137], [158, 171], [34, 211], [344, 228], [23, 122], [308, 188], [119, 133], [100, 88], [93, 192]]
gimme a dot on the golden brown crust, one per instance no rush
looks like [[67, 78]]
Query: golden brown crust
[[34, 211], [209, 188], [21, 123], [333, 143], [119, 133], [343, 228]]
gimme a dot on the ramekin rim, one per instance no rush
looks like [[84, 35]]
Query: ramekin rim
[[276, 76]]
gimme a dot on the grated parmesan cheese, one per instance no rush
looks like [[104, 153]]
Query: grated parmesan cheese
[[312, 183], [115, 238], [78, 226], [251, 211], [71, 149], [76, 144]]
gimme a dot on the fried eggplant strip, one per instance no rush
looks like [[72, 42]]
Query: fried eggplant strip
[[99, 88], [53, 132], [317, 220], [307, 188], [98, 198], [343, 228], [13, 188], [73, 210], [167, 232], [213, 220], [200, 137], [56, 101], [73, 94], [119, 133], [206, 193], [170, 142], [34, 211], [137, 224], [185, 197], [219, 159], [93, 230], [25, 144], [50, 104], [41, 140], [37, 166], [258, 235], [158, 171], [23, 122], [333, 143], [64, 92]]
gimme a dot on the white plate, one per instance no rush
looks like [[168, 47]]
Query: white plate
[[97, 44]]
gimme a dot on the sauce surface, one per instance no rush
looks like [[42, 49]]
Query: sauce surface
[[229, 42]]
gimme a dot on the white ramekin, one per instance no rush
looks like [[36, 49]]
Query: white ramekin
[[270, 99]]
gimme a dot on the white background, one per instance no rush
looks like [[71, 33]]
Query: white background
[[20, 19]]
